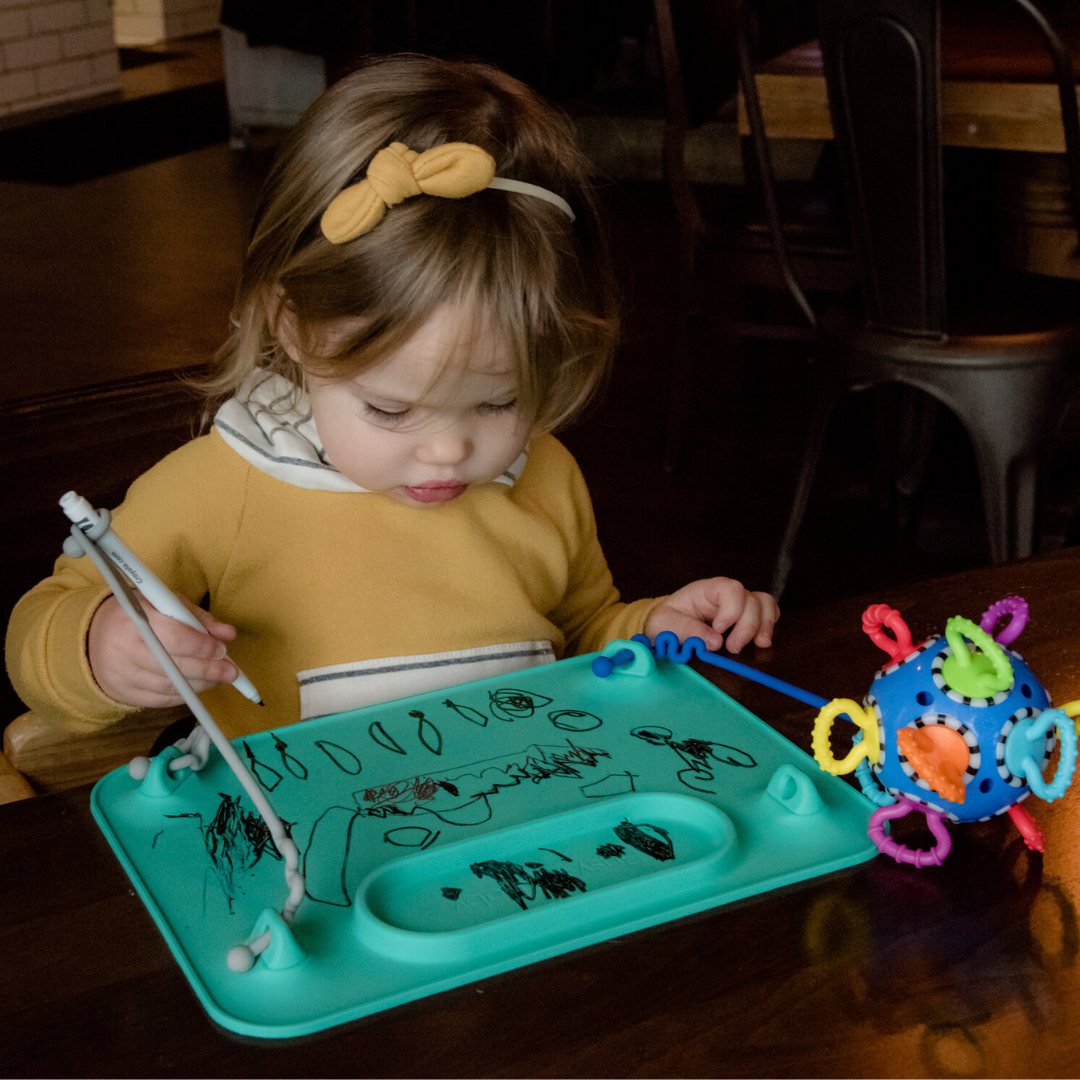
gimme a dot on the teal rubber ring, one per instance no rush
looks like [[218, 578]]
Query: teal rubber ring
[[1067, 764]]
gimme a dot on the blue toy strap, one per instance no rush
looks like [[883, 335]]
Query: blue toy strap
[[667, 645], [869, 784]]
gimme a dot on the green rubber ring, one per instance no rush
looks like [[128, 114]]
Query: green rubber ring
[[975, 675]]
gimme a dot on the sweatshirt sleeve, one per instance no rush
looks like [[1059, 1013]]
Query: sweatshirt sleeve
[[181, 518], [590, 613]]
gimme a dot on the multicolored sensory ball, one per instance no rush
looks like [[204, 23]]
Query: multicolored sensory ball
[[957, 727]]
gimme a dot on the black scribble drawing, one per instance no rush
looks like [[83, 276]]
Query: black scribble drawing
[[427, 732], [157, 836], [649, 839], [326, 856], [471, 787], [620, 783], [461, 797], [565, 858], [696, 753], [297, 768], [611, 851], [451, 894], [521, 884], [378, 733], [510, 704], [574, 720], [411, 836], [468, 712], [235, 841], [344, 759], [268, 778]]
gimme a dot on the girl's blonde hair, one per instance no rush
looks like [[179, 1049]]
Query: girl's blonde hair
[[512, 261]]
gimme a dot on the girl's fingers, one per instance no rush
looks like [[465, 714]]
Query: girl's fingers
[[755, 623], [218, 629], [724, 599], [686, 626], [128, 671], [770, 612], [746, 625], [717, 607], [201, 658], [148, 677], [183, 641]]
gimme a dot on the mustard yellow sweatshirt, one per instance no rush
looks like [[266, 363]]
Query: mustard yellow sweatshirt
[[339, 598]]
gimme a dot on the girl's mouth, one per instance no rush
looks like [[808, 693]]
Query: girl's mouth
[[436, 491]]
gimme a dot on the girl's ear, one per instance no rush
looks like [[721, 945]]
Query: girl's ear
[[281, 319]]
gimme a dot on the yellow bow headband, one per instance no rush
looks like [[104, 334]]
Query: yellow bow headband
[[450, 171]]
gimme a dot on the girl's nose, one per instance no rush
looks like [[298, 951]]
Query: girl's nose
[[449, 447]]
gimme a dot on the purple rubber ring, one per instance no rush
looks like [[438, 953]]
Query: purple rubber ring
[[1014, 606]]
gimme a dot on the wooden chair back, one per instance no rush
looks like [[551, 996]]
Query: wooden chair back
[[95, 439]]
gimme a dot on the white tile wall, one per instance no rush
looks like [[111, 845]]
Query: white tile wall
[[145, 22], [55, 50]]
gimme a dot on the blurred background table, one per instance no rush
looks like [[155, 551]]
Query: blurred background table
[[883, 970], [998, 93]]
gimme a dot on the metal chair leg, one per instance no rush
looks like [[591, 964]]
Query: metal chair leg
[[807, 471]]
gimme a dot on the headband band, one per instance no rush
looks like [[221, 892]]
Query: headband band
[[396, 173]]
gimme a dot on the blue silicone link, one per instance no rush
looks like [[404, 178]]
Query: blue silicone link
[[869, 785]]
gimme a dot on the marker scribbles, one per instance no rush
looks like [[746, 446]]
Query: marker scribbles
[[510, 704], [268, 778], [427, 732], [236, 840], [648, 839], [521, 884], [294, 766], [475, 716], [378, 733], [696, 753], [612, 784], [574, 720], [344, 759]]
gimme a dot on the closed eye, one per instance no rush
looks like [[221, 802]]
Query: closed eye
[[386, 417], [493, 409]]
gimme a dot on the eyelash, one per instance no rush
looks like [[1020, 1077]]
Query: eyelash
[[391, 419], [384, 417]]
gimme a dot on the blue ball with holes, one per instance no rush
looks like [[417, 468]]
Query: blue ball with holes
[[913, 693]]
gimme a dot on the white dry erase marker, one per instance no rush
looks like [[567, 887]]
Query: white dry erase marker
[[96, 525]]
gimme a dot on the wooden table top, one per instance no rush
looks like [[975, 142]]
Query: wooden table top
[[882, 970], [997, 84]]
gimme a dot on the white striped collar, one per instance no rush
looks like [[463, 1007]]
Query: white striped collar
[[269, 424]]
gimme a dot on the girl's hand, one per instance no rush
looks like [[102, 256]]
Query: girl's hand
[[714, 606], [126, 670]]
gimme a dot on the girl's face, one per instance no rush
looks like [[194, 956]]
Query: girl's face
[[433, 419]]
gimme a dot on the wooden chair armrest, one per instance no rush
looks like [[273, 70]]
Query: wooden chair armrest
[[13, 785], [52, 759]]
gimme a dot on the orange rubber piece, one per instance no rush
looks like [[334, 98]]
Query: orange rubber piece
[[939, 755]]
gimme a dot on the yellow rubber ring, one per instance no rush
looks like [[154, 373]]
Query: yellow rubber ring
[[869, 748]]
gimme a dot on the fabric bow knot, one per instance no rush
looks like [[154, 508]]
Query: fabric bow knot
[[450, 171]]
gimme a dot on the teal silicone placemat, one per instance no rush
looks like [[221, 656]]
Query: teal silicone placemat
[[454, 835]]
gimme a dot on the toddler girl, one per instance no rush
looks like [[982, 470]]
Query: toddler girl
[[380, 508]]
